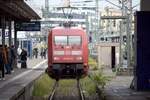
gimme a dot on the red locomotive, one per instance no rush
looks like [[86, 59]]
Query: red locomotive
[[67, 53]]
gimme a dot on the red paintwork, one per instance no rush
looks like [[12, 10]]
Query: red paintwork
[[67, 57]]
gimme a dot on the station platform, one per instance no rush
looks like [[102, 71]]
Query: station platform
[[118, 89], [18, 85]]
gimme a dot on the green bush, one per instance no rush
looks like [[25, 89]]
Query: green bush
[[95, 68], [100, 79], [92, 63], [88, 86], [43, 86]]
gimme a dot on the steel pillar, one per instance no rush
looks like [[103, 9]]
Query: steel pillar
[[120, 45], [87, 25], [10, 33], [15, 44], [128, 42], [3, 40]]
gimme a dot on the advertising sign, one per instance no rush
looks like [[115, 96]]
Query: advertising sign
[[6, 32]]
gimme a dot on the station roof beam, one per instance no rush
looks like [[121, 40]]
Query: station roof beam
[[17, 10]]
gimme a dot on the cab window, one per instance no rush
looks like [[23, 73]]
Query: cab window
[[60, 40], [74, 40]]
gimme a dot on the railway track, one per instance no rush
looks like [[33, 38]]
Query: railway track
[[51, 97], [81, 94], [75, 93]]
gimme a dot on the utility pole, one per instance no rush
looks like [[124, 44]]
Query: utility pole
[[127, 11], [87, 24], [131, 43], [120, 46], [46, 8], [47, 5], [97, 20], [129, 32], [107, 24]]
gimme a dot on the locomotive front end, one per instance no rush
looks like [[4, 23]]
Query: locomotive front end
[[68, 55]]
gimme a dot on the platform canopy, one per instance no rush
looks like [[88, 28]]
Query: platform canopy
[[17, 10]]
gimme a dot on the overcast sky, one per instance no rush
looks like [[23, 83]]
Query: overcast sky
[[38, 4], [59, 2]]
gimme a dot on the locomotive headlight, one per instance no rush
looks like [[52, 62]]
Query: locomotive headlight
[[56, 58], [79, 58]]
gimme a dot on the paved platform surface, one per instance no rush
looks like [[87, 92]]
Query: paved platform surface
[[17, 81], [118, 89]]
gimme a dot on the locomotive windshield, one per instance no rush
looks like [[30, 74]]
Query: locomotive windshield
[[74, 40], [67, 40], [61, 40]]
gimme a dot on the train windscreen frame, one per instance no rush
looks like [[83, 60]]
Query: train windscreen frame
[[60, 40], [74, 40], [68, 40]]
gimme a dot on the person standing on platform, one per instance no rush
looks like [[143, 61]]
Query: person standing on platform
[[19, 50], [7, 61], [23, 56], [41, 54], [33, 53], [13, 58], [36, 53], [44, 53], [2, 63]]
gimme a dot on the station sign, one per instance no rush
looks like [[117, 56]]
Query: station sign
[[28, 26], [6, 33]]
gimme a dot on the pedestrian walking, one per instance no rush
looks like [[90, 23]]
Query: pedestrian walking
[[23, 56]]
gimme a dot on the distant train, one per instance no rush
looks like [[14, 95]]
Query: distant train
[[67, 53]]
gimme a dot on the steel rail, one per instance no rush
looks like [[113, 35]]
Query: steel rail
[[82, 97], [51, 97]]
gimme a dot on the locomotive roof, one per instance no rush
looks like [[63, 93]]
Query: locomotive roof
[[62, 28], [67, 30]]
